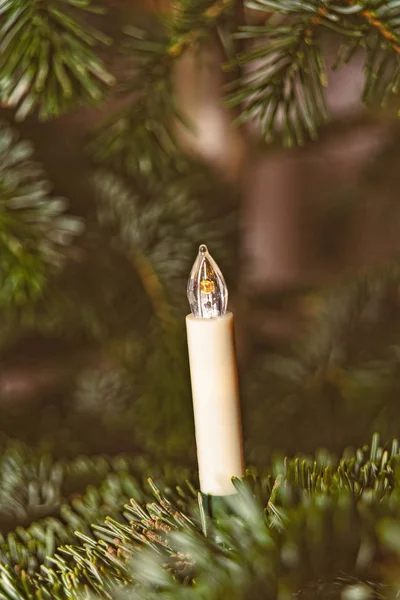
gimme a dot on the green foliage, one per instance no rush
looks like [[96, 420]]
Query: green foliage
[[47, 61], [140, 137], [145, 221], [34, 229], [306, 528], [43, 501], [281, 64], [340, 364], [283, 89], [316, 528], [284, 72], [195, 21]]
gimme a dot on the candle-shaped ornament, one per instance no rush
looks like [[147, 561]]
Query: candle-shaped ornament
[[214, 378]]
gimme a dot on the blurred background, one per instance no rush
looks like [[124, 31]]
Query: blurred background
[[308, 239]]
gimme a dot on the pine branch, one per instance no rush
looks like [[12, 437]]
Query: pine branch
[[382, 70], [163, 222], [380, 40], [314, 527], [34, 228], [193, 21], [339, 363], [43, 502], [383, 16], [141, 137], [47, 57], [283, 89], [321, 510]]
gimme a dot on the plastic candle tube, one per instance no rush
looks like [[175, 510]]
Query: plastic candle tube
[[214, 378]]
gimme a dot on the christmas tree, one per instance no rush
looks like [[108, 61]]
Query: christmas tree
[[128, 135]]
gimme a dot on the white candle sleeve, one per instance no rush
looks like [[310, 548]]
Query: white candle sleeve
[[215, 402]]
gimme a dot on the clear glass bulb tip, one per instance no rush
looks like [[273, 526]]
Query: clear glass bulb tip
[[206, 290]]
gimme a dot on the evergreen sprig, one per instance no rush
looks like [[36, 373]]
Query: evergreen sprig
[[195, 21], [47, 57], [34, 229], [284, 73], [145, 215], [315, 528], [43, 501], [283, 89], [140, 138]]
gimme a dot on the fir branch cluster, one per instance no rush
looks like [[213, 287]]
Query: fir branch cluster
[[317, 528], [34, 229], [141, 137], [285, 73], [47, 57], [43, 502], [49, 61]]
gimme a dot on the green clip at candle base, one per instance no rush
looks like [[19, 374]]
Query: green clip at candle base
[[215, 505], [212, 508]]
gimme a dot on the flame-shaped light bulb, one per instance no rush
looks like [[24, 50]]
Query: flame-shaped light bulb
[[206, 290]]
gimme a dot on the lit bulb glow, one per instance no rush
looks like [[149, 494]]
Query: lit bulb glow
[[206, 290]]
